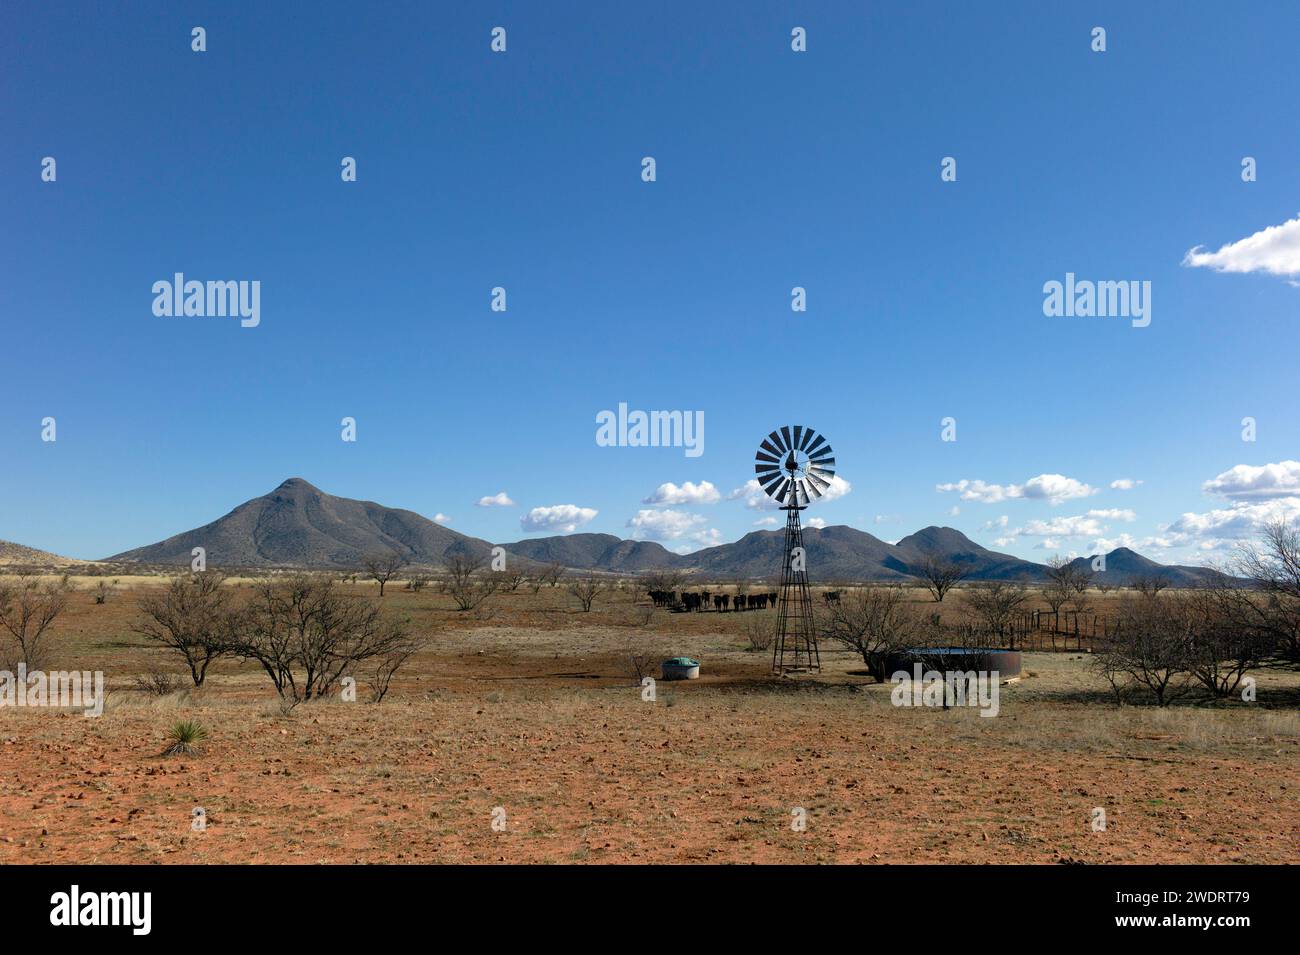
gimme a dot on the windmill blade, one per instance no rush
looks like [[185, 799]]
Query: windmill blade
[[785, 433], [798, 436], [808, 435], [775, 438], [775, 459], [771, 448], [766, 477], [769, 481], [822, 462], [824, 473], [812, 486], [785, 489], [803, 489], [813, 447], [817, 483]]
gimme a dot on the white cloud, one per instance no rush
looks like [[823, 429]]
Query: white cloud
[[1083, 525], [1275, 250], [1124, 484], [1061, 527], [752, 493], [954, 511], [699, 540], [441, 518], [839, 487], [1104, 545], [1053, 488], [688, 493], [766, 522], [500, 499], [817, 522], [1115, 514], [998, 524], [663, 525], [561, 518], [1246, 482], [1233, 523]]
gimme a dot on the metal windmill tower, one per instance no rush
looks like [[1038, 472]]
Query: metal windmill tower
[[794, 467]]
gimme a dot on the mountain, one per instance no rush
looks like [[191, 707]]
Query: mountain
[[16, 555], [298, 525], [834, 553], [1124, 566], [598, 552], [949, 544]]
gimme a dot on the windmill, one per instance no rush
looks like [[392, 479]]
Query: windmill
[[794, 467]]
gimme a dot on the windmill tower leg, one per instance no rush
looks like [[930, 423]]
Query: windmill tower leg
[[796, 638]]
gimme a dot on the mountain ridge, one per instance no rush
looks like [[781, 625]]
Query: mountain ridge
[[299, 525]]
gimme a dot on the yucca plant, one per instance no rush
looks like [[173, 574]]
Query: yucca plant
[[186, 737]]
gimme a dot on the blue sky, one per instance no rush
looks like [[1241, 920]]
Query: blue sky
[[775, 169]]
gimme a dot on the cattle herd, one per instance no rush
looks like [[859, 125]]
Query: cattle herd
[[699, 600]]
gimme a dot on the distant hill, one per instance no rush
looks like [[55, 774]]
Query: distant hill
[[298, 525], [952, 545], [834, 553], [597, 552], [1125, 566], [17, 555]]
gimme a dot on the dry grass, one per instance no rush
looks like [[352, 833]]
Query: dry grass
[[533, 710]]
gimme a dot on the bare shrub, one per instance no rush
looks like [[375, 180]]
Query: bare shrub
[[382, 568], [27, 609], [940, 575], [995, 606], [874, 621], [586, 589], [193, 617], [158, 682], [1272, 609], [306, 634], [1151, 650], [1149, 585], [508, 581], [464, 581], [759, 630], [640, 663], [662, 579], [1222, 648], [550, 576], [386, 665], [416, 582], [1059, 587]]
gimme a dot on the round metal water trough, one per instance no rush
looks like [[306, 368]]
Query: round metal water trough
[[1005, 663], [680, 668]]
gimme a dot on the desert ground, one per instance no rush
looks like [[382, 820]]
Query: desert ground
[[528, 713]]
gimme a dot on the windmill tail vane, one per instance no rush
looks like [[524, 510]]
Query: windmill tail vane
[[794, 466]]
